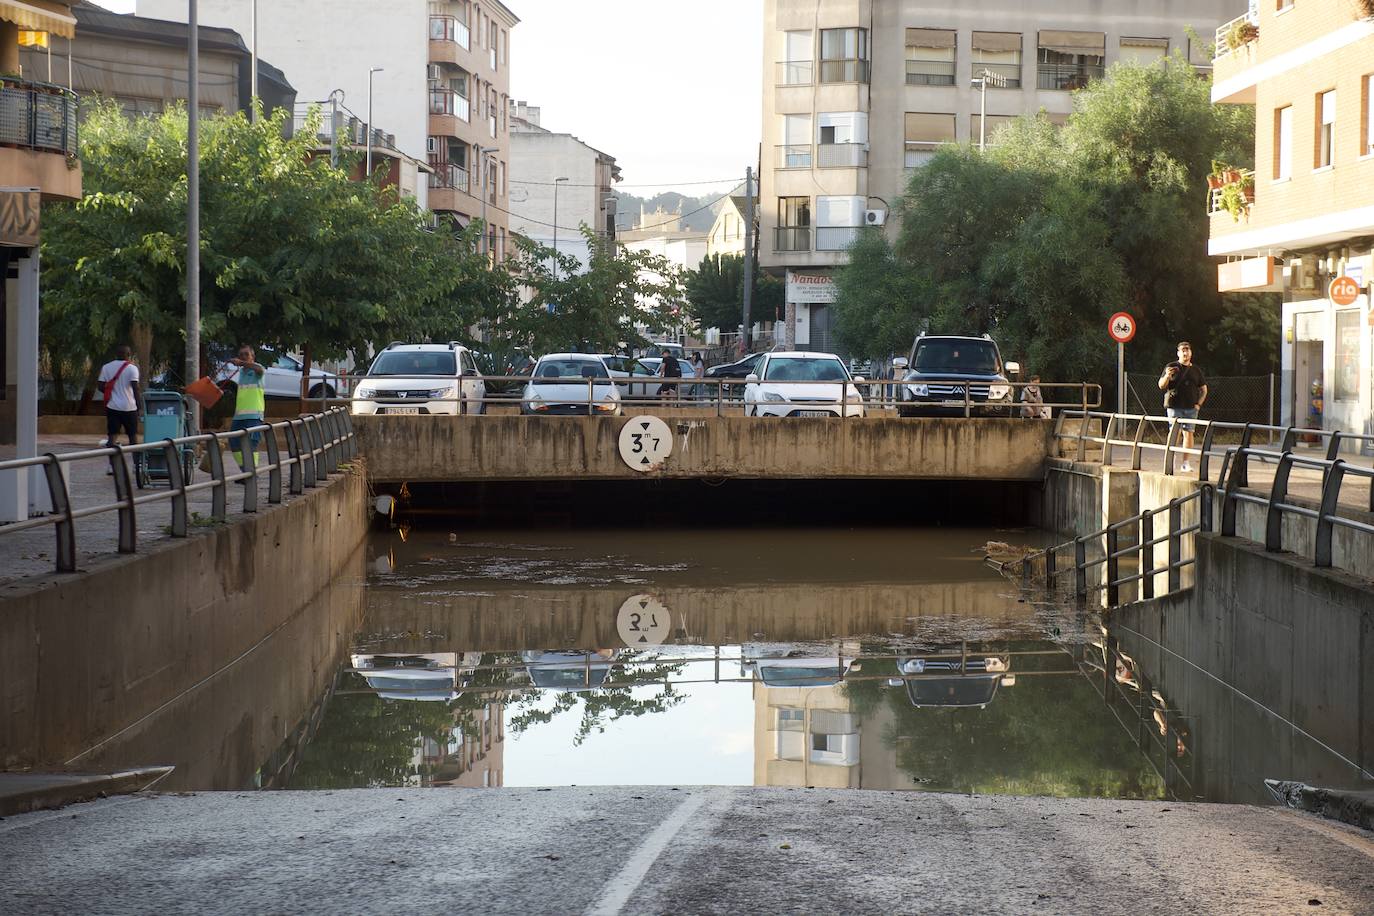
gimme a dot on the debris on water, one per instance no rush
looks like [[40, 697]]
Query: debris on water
[[785, 846]]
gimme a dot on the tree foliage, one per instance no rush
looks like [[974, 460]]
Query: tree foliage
[[1042, 238], [715, 292]]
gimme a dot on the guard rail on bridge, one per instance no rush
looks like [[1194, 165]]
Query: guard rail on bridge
[[315, 444]]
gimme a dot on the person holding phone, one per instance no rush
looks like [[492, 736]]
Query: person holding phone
[[1185, 391]]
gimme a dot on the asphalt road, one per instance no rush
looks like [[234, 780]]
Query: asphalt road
[[656, 850]]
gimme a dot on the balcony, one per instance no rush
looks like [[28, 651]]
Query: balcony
[[792, 238], [842, 155], [449, 102], [1236, 34], [1068, 77], [844, 71], [794, 156], [930, 73], [836, 238], [450, 29], [38, 133], [1234, 198], [796, 73], [448, 175]]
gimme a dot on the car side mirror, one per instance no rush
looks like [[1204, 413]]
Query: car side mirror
[[900, 363], [1013, 368], [751, 378], [470, 373]]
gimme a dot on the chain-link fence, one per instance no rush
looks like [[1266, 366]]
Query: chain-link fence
[[1232, 398]]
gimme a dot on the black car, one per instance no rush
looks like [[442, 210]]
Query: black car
[[739, 369], [945, 373]]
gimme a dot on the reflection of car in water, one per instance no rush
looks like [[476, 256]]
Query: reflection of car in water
[[569, 669], [437, 676], [798, 664], [954, 679]]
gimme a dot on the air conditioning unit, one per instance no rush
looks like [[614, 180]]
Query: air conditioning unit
[[875, 217], [435, 71]]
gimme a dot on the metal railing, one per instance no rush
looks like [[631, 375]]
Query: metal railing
[[1223, 33], [38, 116], [449, 28], [796, 73], [1214, 204], [449, 102], [842, 155], [316, 444], [1140, 545], [836, 238], [1068, 76], [930, 73], [850, 70], [792, 238], [448, 175], [794, 156]]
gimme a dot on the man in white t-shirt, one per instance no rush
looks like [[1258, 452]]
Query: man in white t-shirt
[[119, 381]]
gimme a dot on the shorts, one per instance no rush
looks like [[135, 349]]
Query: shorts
[[1181, 413], [253, 439], [116, 420]]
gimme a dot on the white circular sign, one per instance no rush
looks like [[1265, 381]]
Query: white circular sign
[[643, 621], [645, 443]]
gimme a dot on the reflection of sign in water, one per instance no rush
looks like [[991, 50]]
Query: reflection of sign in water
[[810, 288], [1121, 327], [645, 443], [643, 621]]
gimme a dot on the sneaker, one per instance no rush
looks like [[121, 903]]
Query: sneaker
[[1187, 467]]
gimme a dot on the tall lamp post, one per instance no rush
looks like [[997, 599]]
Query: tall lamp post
[[370, 72], [193, 202], [484, 166], [556, 183], [253, 40], [980, 82]]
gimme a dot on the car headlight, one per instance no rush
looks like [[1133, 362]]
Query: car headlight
[[451, 392], [365, 394], [914, 666], [919, 391], [774, 397], [605, 406], [999, 392], [994, 664]]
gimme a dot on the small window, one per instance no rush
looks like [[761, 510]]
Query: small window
[[790, 720], [1326, 128], [1282, 5], [930, 57], [1283, 143], [844, 55], [925, 132], [999, 53], [1144, 51], [1367, 117]]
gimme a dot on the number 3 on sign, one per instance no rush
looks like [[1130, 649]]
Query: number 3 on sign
[[645, 443], [643, 621]]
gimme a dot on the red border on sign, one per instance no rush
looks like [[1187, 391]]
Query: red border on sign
[[1111, 328]]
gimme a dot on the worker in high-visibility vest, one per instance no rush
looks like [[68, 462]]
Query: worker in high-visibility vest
[[250, 404]]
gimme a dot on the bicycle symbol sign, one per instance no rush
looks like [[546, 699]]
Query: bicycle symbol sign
[[645, 443], [1121, 327]]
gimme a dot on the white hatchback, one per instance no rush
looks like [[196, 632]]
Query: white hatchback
[[802, 384], [421, 379]]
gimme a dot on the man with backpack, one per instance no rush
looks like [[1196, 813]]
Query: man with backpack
[[119, 387]]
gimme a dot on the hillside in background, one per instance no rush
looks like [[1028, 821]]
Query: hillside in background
[[698, 213]]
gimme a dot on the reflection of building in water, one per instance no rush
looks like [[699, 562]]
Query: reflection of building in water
[[471, 756]]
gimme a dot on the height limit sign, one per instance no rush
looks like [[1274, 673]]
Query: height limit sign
[[645, 443]]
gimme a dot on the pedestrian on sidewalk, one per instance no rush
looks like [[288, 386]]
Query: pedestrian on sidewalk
[[1033, 405], [669, 369], [1185, 391], [699, 370], [119, 380], [250, 403]]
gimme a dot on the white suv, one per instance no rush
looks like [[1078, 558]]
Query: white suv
[[421, 379]]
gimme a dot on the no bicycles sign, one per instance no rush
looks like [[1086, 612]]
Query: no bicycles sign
[[1121, 327]]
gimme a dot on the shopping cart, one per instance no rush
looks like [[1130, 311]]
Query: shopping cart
[[166, 415]]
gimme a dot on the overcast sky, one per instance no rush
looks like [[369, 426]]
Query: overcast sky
[[671, 90]]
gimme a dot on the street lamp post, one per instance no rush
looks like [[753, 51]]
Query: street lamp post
[[556, 183], [980, 82], [253, 78], [370, 73], [192, 203]]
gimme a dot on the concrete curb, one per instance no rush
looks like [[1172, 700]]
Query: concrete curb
[[1350, 806], [21, 792]]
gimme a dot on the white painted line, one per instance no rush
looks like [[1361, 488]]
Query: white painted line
[[616, 892]]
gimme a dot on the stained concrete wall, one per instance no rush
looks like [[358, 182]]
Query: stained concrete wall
[[430, 449], [1294, 645], [89, 656]]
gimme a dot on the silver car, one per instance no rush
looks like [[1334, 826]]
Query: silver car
[[570, 384]]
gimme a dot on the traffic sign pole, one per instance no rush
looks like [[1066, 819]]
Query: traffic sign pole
[[1121, 328], [1120, 378]]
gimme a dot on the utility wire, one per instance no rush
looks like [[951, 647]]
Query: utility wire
[[617, 185], [539, 222]]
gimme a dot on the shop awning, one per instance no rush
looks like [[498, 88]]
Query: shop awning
[[1091, 43], [997, 41], [1145, 42], [40, 16]]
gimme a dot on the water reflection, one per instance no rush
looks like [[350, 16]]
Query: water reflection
[[848, 658]]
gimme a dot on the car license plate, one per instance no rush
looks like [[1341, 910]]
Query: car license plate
[[814, 413], [403, 410]]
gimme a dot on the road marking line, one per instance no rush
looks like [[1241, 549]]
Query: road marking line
[[616, 892]]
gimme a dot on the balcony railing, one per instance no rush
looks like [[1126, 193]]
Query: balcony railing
[[794, 156], [447, 28], [38, 116], [1223, 35], [1009, 72], [449, 102], [1069, 76], [842, 155], [918, 152], [930, 73], [792, 238], [844, 71], [448, 175], [796, 73], [1216, 196], [836, 238]]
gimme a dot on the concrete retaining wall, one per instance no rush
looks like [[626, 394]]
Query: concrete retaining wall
[[86, 656], [1295, 646], [433, 449]]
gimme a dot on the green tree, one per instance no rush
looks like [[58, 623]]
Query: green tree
[[715, 293]]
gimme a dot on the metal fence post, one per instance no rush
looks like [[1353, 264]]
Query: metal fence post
[[307, 452], [295, 480], [347, 419], [1107, 441], [176, 482], [1331, 495], [1136, 450], [1147, 555], [1082, 443], [250, 465], [1175, 544], [124, 495], [1113, 567], [217, 492], [331, 442], [1242, 474], [321, 452], [1080, 566], [61, 507], [274, 469], [1206, 496], [1203, 462], [1333, 449], [1049, 568], [1273, 527], [1170, 442]]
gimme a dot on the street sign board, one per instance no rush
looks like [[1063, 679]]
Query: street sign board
[[1121, 327], [1343, 291], [645, 443], [643, 621]]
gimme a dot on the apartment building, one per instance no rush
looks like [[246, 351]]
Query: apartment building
[[1304, 223], [563, 183], [857, 93], [726, 236], [437, 74]]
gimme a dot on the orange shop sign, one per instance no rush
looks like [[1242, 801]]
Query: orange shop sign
[[1343, 291]]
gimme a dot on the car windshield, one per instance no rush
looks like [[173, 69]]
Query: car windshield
[[416, 362], [951, 691], [803, 369], [790, 676], [957, 356], [570, 677], [568, 371]]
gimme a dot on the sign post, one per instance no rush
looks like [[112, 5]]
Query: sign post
[[1121, 328]]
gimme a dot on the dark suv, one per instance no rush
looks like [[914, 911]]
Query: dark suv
[[946, 371]]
